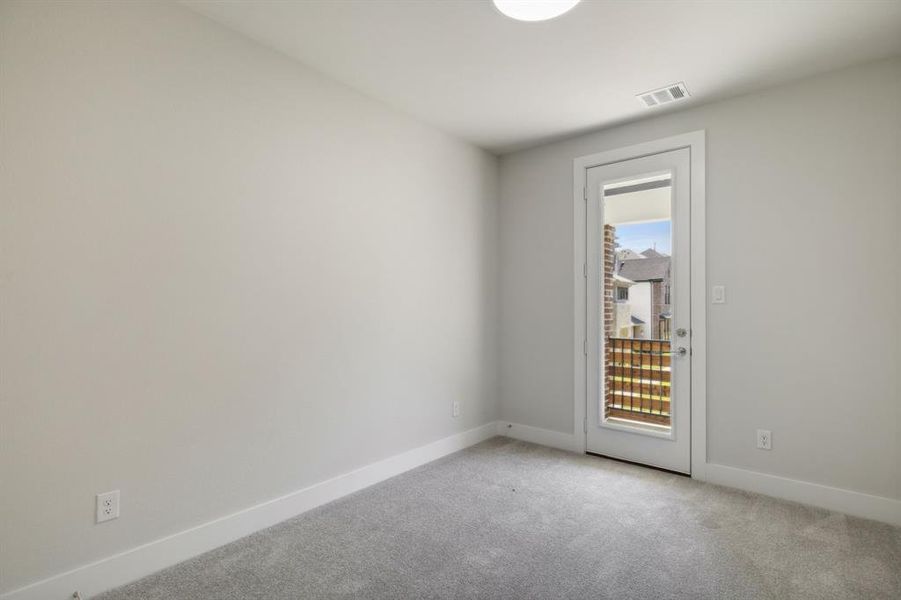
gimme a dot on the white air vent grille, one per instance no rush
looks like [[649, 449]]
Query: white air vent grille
[[664, 95]]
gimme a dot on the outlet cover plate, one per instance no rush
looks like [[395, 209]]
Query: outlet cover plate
[[107, 506], [764, 439]]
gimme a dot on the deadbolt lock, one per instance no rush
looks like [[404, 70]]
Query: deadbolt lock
[[681, 332]]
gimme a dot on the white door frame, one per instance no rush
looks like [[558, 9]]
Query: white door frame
[[695, 142]]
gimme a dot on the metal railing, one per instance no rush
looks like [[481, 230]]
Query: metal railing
[[638, 377]]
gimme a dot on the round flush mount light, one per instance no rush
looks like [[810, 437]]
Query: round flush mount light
[[534, 10]]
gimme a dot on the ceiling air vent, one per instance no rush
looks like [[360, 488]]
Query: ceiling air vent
[[664, 95]]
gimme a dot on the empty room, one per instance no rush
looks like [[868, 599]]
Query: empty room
[[450, 299]]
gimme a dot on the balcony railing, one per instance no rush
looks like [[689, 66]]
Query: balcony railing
[[638, 377]]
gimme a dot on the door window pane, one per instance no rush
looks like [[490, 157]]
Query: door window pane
[[637, 266]]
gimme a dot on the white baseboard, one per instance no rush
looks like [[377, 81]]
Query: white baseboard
[[858, 504], [148, 558], [852, 503], [536, 435]]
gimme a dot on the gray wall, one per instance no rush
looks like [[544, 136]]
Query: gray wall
[[224, 278], [803, 200]]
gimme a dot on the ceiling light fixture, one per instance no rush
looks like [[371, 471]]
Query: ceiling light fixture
[[534, 10]]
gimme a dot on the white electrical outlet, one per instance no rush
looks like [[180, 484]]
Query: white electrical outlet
[[456, 408], [107, 506], [764, 439]]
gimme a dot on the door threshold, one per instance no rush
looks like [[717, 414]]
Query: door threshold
[[638, 464]]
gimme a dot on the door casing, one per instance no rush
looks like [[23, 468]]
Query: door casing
[[695, 142]]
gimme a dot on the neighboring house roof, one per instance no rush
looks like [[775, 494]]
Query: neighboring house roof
[[651, 253], [637, 321], [622, 280], [646, 269], [627, 254]]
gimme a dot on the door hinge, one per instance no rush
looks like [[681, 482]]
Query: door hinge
[[585, 270], [585, 194], [585, 347], [584, 425]]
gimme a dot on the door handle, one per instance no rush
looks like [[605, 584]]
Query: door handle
[[681, 351], [681, 332]]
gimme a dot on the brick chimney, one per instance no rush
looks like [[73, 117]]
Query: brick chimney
[[609, 317]]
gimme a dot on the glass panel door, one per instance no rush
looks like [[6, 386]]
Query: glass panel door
[[638, 304]]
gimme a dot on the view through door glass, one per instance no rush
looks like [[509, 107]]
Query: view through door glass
[[637, 310]]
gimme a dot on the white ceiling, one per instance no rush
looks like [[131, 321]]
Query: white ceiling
[[503, 84]]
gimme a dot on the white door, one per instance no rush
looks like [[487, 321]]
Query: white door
[[638, 294]]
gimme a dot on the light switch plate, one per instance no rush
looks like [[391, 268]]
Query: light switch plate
[[719, 294]]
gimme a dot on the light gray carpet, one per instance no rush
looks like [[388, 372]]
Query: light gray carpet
[[506, 519]]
